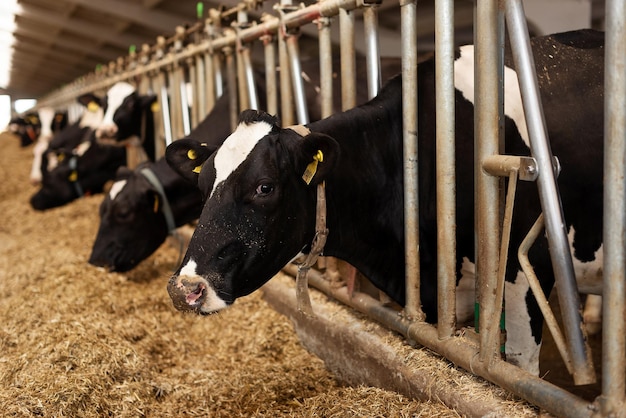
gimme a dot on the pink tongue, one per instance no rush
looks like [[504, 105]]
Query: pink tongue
[[195, 295]]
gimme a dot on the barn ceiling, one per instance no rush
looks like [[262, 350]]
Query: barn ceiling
[[57, 41]]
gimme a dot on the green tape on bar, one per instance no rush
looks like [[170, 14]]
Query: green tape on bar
[[200, 9]]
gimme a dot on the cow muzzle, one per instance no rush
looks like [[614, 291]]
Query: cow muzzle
[[194, 294]]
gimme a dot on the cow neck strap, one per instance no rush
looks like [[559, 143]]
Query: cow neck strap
[[73, 164], [167, 210], [317, 247]]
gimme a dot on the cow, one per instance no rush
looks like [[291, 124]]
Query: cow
[[124, 241], [62, 136], [128, 114], [93, 160], [259, 188]]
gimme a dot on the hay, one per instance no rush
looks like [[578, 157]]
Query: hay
[[76, 341]]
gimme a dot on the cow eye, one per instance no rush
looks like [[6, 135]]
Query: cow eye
[[264, 189]]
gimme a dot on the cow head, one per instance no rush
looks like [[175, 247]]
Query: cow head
[[132, 224], [258, 212], [79, 171]]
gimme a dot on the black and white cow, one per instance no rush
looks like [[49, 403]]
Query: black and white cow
[[259, 214], [93, 161], [64, 136], [128, 114]]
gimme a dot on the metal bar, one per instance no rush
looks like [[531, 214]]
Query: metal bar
[[372, 55], [326, 66], [209, 83], [200, 90], [232, 87], [445, 168], [569, 299], [271, 87], [286, 103], [242, 81], [165, 107], [302, 112], [253, 101], [409, 131], [184, 102], [613, 400], [348, 60], [535, 286], [488, 136], [193, 82], [461, 351]]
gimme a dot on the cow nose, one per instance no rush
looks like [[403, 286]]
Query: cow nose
[[187, 295], [106, 131]]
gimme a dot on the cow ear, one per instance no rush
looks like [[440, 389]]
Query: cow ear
[[318, 154], [186, 157], [90, 101]]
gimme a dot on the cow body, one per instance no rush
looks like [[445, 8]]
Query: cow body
[[259, 213]]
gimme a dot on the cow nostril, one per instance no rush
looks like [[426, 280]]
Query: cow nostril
[[197, 296]]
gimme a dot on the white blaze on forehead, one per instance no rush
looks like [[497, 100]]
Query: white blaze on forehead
[[116, 188], [464, 82], [236, 149], [212, 302], [115, 97]]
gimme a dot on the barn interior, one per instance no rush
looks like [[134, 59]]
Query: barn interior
[[55, 43]]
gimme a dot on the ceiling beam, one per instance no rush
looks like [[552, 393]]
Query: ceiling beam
[[86, 46], [99, 32], [153, 19]]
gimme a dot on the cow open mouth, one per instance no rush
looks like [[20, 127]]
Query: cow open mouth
[[196, 296]]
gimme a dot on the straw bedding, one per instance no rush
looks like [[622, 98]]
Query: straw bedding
[[77, 341]]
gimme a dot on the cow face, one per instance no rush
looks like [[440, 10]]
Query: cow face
[[258, 212], [83, 170], [132, 225]]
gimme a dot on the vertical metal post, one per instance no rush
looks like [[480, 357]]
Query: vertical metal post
[[193, 81], [408, 10], [569, 299], [184, 101], [232, 86], [372, 53], [488, 136], [200, 88], [271, 88], [209, 82], [286, 102], [613, 398], [165, 107], [446, 173], [326, 66], [348, 60], [302, 112]]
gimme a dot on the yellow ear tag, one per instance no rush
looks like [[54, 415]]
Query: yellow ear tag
[[61, 157], [311, 169], [73, 176], [197, 169], [155, 208], [191, 154], [93, 106], [155, 107]]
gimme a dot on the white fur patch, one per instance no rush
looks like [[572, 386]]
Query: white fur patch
[[117, 188], [82, 148], [236, 149], [46, 115], [521, 348], [115, 96], [464, 82]]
